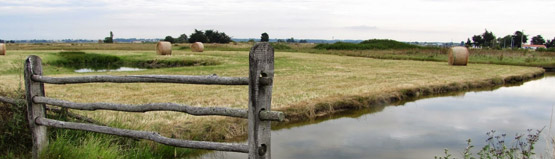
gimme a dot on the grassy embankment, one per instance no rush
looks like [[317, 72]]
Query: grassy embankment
[[306, 86]]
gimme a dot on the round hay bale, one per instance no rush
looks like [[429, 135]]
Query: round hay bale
[[197, 47], [458, 55], [164, 48], [2, 49]]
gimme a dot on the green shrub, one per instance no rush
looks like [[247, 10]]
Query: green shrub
[[373, 44], [551, 49], [78, 60], [280, 46]]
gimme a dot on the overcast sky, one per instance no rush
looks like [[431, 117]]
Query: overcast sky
[[404, 20]]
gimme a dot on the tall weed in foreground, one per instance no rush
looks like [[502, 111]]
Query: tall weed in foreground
[[15, 136], [70, 144], [521, 147]]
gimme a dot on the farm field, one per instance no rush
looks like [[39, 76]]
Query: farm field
[[306, 85]]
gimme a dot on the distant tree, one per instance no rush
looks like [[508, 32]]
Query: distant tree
[[550, 43], [519, 38], [488, 39], [251, 41], [280, 41], [537, 40], [1, 41], [303, 41], [216, 37], [169, 39], [198, 36], [211, 35], [505, 41], [109, 39], [264, 37], [478, 40], [182, 39], [468, 43], [290, 40]]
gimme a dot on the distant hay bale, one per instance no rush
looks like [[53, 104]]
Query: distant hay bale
[[164, 48], [2, 49], [197, 47], [458, 55]]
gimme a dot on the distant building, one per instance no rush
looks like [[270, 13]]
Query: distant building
[[137, 42], [533, 47]]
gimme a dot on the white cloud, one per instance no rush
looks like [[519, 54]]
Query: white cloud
[[424, 20]]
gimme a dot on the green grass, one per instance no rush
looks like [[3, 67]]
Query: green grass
[[70, 144], [373, 44]]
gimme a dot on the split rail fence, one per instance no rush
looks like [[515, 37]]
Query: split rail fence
[[259, 114]]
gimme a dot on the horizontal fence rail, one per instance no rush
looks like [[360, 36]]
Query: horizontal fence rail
[[12, 101], [153, 136], [231, 112], [208, 80], [55, 110]]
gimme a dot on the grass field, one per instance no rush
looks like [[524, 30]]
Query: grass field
[[305, 86]]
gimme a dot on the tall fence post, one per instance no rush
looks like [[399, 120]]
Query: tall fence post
[[33, 66], [261, 66]]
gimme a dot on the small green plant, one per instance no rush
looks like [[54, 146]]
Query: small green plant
[[280, 46], [496, 146]]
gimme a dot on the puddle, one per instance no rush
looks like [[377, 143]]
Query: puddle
[[121, 69]]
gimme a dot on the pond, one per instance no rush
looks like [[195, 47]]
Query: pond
[[121, 69], [420, 129]]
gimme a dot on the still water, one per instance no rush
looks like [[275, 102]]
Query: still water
[[419, 129], [83, 70]]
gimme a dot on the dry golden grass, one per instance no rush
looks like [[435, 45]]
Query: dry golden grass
[[302, 81]]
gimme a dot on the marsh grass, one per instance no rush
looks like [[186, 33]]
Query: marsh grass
[[482, 56], [79, 59]]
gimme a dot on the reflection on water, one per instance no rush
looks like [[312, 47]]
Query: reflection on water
[[420, 129], [121, 69]]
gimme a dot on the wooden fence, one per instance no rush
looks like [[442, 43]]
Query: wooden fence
[[258, 114]]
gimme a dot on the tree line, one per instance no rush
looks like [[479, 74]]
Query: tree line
[[208, 36], [488, 40]]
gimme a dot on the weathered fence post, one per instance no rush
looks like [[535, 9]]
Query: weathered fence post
[[261, 66], [33, 66]]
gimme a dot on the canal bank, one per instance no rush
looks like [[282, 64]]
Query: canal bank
[[420, 128], [328, 106]]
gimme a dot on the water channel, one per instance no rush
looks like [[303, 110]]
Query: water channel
[[421, 128], [120, 69]]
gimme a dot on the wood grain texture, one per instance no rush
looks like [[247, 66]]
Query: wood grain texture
[[33, 66], [208, 80], [261, 66], [223, 111]]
